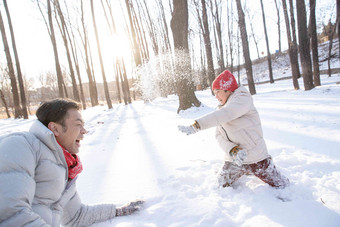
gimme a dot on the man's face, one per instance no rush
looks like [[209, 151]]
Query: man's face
[[70, 135], [222, 96]]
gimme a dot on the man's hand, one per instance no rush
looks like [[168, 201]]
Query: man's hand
[[238, 155], [129, 208], [191, 129]]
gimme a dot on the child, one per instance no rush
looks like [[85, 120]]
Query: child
[[239, 134]]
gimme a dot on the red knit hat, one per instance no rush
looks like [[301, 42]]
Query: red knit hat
[[225, 81]]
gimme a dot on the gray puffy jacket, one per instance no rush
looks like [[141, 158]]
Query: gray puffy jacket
[[34, 186]]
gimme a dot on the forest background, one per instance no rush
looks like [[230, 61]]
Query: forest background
[[104, 52]]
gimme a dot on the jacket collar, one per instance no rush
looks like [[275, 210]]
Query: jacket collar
[[47, 137]]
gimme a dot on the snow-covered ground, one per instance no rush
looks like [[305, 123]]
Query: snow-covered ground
[[136, 152]]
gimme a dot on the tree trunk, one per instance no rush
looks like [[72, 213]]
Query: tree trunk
[[294, 46], [92, 85], [269, 57], [63, 31], [305, 57], [294, 66], [330, 36], [2, 96], [55, 50], [278, 24], [314, 43], [207, 42], [135, 47], [76, 63], [179, 27], [217, 16], [140, 32], [338, 18], [16, 102], [164, 27], [230, 35], [117, 81], [253, 35], [95, 91], [245, 47], [125, 82], [106, 89], [16, 56]]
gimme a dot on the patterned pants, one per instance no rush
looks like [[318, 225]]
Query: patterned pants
[[265, 170]]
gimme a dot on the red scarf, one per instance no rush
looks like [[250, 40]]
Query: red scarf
[[73, 163]]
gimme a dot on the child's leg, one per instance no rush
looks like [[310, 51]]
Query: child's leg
[[230, 173], [267, 172]]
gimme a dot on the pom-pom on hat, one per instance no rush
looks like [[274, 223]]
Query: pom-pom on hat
[[225, 81]]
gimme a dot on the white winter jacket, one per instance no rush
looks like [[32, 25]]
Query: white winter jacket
[[238, 123], [34, 186]]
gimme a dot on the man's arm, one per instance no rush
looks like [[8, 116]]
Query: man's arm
[[17, 185], [77, 214]]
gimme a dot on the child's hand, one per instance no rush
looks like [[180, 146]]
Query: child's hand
[[238, 155], [191, 129], [187, 129]]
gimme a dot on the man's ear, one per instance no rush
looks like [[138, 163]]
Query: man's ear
[[54, 128]]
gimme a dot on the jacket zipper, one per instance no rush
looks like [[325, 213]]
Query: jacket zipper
[[226, 133]]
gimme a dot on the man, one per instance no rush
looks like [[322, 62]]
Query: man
[[38, 172], [239, 134]]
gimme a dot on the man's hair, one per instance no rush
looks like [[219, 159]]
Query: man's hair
[[55, 110]]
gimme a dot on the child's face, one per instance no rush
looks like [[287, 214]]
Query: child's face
[[222, 96]]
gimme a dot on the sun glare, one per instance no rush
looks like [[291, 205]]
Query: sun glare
[[116, 46]]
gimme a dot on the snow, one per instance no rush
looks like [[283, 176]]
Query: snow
[[136, 152]]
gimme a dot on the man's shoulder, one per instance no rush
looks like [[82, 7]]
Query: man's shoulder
[[19, 139], [18, 135]]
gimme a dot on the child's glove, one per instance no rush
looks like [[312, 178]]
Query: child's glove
[[238, 155], [191, 129], [129, 208]]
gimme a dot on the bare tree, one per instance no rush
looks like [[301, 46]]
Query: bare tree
[[330, 33], [84, 37], [179, 27], [278, 23], [207, 42], [252, 34], [230, 34], [73, 47], [305, 57], [63, 30], [269, 57], [106, 89], [135, 46], [50, 29], [294, 38], [17, 63], [117, 66], [217, 15], [17, 110], [245, 47], [2, 97], [338, 18], [164, 25], [314, 42], [124, 82], [293, 58]]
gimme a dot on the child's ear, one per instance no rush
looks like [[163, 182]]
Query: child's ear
[[54, 128]]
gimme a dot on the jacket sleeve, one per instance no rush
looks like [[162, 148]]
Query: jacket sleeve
[[236, 106], [77, 214], [17, 185]]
